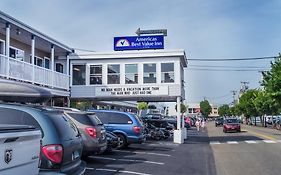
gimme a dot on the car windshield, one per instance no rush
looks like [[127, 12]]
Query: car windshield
[[231, 121]]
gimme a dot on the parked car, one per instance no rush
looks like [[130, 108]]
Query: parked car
[[14, 139], [92, 131], [219, 121], [61, 147], [231, 125], [126, 126]]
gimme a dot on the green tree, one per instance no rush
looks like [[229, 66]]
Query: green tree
[[141, 106], [246, 103], [224, 110], [205, 108], [272, 83], [183, 108]]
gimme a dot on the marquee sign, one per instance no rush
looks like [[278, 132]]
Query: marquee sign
[[131, 91], [138, 42]]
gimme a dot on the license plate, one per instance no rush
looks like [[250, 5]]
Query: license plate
[[75, 155]]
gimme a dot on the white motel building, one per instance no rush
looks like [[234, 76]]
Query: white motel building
[[31, 57]]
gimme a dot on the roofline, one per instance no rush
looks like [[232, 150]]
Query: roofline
[[133, 54], [26, 27]]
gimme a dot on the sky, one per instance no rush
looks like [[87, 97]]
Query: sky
[[205, 29]]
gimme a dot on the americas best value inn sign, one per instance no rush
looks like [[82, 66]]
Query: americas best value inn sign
[[139, 42], [131, 91]]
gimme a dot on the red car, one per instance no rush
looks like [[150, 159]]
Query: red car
[[231, 125]]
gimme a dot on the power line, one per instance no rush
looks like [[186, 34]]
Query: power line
[[234, 70], [246, 67], [232, 59]]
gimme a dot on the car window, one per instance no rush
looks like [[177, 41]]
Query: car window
[[14, 116], [82, 118], [118, 118], [95, 119], [104, 117], [231, 121], [64, 125]]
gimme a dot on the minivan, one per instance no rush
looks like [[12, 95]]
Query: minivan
[[61, 144], [127, 126]]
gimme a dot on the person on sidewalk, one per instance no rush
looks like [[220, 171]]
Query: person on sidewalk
[[197, 124], [203, 124]]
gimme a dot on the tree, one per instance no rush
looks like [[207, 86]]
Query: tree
[[141, 106], [224, 110], [272, 82], [205, 108], [183, 108], [246, 103]]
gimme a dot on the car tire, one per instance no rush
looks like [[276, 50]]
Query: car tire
[[122, 141]]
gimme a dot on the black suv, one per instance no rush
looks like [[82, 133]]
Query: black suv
[[61, 141]]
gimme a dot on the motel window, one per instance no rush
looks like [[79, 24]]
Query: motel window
[[16, 53], [59, 67], [47, 63], [167, 73], [113, 74], [79, 75], [38, 61], [131, 74], [149, 73], [96, 74], [2, 47]]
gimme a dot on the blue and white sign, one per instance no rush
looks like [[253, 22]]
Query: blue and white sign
[[138, 42]]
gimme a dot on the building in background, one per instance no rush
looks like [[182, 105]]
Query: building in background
[[194, 110]]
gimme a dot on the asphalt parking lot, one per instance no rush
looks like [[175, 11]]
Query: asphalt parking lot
[[154, 157]]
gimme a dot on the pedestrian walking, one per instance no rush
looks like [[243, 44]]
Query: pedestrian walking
[[197, 124], [203, 124]]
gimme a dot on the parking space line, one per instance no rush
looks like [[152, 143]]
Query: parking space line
[[269, 141], [114, 170], [214, 143], [251, 141], [127, 160], [132, 172], [232, 142], [141, 152]]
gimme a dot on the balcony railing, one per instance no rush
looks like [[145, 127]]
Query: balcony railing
[[23, 71]]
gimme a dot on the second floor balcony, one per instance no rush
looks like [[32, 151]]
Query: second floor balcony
[[23, 71]]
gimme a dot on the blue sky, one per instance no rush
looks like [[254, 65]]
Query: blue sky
[[204, 28]]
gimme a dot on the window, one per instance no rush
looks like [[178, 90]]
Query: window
[[117, 118], [59, 67], [113, 74], [38, 61], [2, 47], [47, 63], [78, 73], [131, 73], [104, 117], [16, 53], [149, 73], [167, 73], [96, 74]]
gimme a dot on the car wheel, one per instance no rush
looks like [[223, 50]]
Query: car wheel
[[122, 141]]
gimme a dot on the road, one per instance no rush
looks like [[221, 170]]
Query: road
[[254, 151]]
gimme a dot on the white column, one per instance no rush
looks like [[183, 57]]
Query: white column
[[158, 73], [178, 113], [53, 63], [122, 74], [67, 69], [32, 57], [8, 49]]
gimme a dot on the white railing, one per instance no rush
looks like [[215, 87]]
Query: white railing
[[23, 71]]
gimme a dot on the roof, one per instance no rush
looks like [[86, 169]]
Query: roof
[[133, 54], [26, 27]]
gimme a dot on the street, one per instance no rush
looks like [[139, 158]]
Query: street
[[254, 151]]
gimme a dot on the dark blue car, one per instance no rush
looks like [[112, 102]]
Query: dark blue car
[[126, 126]]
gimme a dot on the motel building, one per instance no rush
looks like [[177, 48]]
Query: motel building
[[139, 69], [30, 57]]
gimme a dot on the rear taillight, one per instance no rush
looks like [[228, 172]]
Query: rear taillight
[[53, 152], [92, 132], [137, 129]]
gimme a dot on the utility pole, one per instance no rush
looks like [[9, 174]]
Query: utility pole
[[233, 95]]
